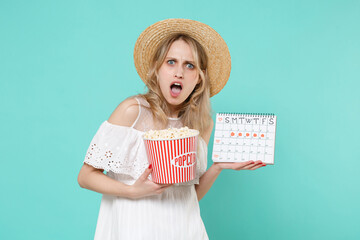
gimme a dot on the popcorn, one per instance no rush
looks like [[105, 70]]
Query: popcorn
[[172, 154], [170, 133]]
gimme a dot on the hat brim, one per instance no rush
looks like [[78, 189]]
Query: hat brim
[[219, 61]]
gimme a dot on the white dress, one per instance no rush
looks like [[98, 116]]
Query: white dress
[[174, 214]]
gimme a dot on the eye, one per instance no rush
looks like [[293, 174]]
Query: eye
[[171, 62], [189, 65]]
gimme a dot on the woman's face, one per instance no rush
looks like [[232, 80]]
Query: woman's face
[[177, 74]]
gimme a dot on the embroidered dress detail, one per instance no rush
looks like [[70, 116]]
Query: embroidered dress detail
[[117, 149], [120, 151]]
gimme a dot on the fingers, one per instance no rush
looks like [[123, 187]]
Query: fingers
[[242, 165], [160, 185], [251, 165], [164, 185], [258, 165], [160, 188], [145, 174]]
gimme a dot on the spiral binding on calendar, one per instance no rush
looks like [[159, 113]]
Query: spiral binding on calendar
[[233, 114]]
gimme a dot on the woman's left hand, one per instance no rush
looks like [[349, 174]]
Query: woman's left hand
[[249, 165]]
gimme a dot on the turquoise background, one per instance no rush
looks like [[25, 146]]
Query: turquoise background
[[66, 65]]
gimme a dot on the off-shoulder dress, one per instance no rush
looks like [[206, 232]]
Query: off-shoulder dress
[[174, 214]]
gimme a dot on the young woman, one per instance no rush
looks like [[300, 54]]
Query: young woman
[[183, 63]]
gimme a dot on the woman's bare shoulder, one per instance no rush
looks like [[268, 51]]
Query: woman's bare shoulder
[[125, 113]]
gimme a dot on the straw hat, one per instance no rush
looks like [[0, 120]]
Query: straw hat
[[219, 61]]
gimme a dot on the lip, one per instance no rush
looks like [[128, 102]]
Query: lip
[[171, 93], [176, 82]]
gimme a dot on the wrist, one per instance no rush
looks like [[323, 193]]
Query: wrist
[[216, 168], [130, 192]]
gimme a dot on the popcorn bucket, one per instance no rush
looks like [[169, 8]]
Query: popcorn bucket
[[172, 160]]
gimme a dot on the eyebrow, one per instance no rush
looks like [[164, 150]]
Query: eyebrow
[[187, 61]]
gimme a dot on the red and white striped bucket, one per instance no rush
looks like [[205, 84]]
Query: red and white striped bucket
[[172, 160]]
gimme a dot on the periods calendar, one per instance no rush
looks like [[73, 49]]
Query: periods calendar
[[241, 137]]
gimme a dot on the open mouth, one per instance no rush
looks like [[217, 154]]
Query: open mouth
[[175, 89]]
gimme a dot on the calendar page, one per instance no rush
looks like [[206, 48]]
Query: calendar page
[[241, 137]]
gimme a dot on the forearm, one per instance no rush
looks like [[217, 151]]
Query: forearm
[[206, 181], [99, 182]]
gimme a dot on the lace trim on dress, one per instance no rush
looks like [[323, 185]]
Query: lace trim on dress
[[118, 149], [121, 150]]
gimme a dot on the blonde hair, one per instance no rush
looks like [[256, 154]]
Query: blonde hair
[[195, 111]]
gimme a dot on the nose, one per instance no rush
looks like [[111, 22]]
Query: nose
[[179, 72]]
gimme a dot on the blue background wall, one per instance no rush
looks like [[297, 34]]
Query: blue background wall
[[66, 65]]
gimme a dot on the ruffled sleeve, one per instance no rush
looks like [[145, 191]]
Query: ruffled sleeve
[[117, 149]]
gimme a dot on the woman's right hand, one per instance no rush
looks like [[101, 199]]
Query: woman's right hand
[[144, 187]]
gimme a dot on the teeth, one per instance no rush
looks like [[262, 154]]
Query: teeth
[[177, 84]]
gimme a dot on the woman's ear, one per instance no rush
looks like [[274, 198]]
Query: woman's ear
[[199, 81]]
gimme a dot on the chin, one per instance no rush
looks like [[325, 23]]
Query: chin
[[174, 101]]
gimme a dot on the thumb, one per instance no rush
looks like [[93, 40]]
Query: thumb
[[146, 173]]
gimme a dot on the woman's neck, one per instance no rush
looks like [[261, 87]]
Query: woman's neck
[[173, 111], [173, 115]]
